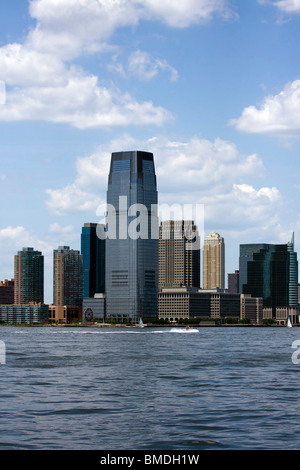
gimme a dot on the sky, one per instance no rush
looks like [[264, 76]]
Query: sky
[[210, 87]]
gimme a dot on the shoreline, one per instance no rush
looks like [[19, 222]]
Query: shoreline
[[109, 325]]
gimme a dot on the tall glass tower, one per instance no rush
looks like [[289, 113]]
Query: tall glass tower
[[270, 272], [131, 273], [93, 253]]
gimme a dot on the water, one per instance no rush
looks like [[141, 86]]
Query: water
[[122, 388]]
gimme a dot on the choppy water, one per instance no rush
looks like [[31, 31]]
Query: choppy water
[[95, 389]]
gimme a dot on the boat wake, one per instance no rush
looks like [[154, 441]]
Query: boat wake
[[184, 330]]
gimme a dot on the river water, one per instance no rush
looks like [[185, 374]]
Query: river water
[[149, 389]]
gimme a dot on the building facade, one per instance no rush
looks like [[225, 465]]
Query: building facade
[[29, 277], [93, 309], [131, 245], [271, 272], [93, 258], [65, 314], [185, 303], [7, 292], [233, 282], [67, 277], [29, 314], [251, 308], [214, 262], [179, 258]]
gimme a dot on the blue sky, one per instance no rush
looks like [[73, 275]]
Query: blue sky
[[211, 87]]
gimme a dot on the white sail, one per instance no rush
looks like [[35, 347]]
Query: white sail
[[289, 323]]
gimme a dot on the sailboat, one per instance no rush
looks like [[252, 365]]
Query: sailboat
[[289, 323], [141, 324]]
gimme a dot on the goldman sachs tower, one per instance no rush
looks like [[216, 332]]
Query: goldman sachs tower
[[131, 269]]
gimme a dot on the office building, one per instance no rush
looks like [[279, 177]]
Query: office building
[[131, 245], [214, 262], [247, 252], [29, 277], [93, 309], [271, 272], [185, 303], [233, 282], [179, 254], [67, 277], [93, 256], [65, 314], [7, 292], [251, 308]]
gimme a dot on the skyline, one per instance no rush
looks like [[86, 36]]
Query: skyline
[[210, 88]]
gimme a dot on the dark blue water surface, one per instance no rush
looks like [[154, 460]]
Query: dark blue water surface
[[125, 388]]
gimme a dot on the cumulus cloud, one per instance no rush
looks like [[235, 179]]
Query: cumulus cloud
[[196, 171], [71, 198], [43, 88], [278, 113], [70, 26], [287, 6], [183, 14], [18, 237], [44, 85]]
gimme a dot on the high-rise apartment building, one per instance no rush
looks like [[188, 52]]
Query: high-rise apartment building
[[29, 277], [67, 277], [271, 272], [131, 246], [93, 254], [179, 254], [214, 262], [7, 292]]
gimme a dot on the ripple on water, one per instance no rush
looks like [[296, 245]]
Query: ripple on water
[[119, 389]]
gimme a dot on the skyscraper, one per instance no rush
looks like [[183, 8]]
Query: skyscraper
[[67, 277], [93, 253], [131, 274], [179, 265], [214, 262], [271, 272], [29, 277]]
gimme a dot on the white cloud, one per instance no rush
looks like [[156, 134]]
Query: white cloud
[[279, 113], [182, 14], [20, 65], [15, 238], [69, 26], [195, 171], [42, 85], [44, 89], [287, 6], [145, 67], [71, 198]]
